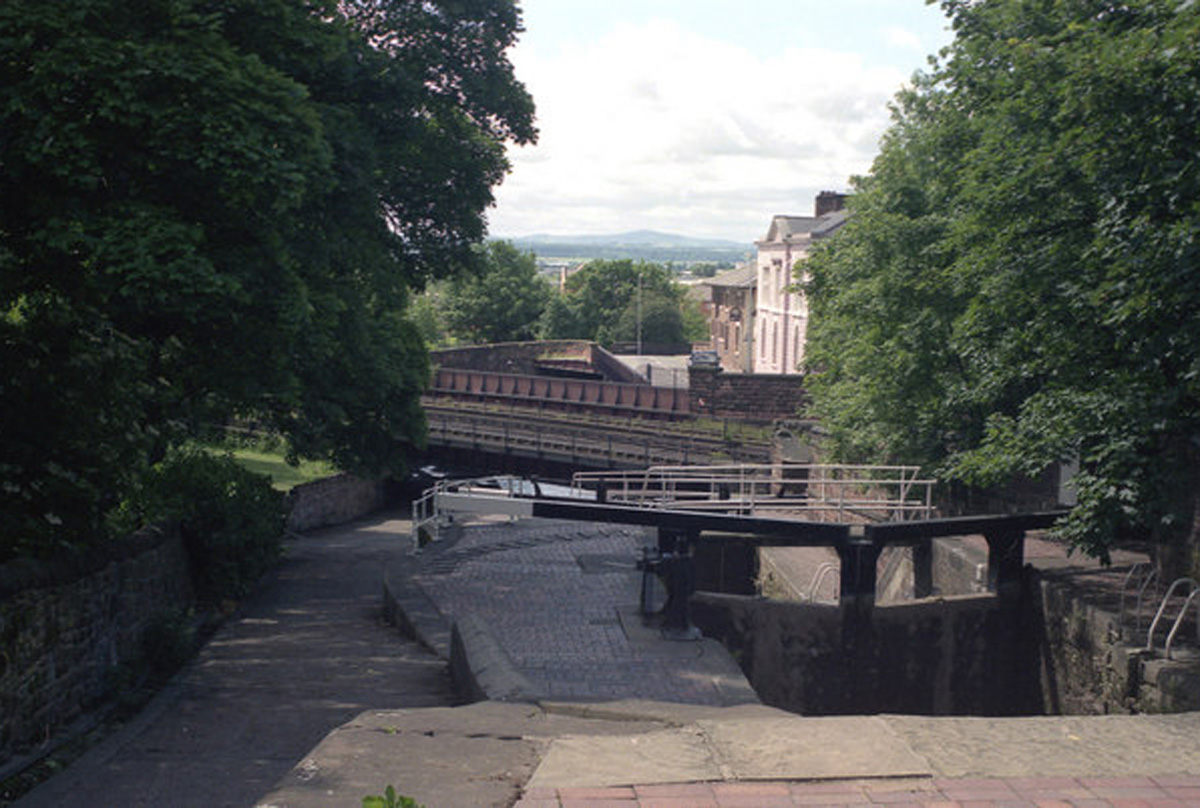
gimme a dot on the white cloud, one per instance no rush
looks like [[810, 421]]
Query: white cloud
[[656, 126]]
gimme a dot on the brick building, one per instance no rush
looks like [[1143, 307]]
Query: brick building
[[731, 317], [782, 314]]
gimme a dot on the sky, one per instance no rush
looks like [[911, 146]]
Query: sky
[[702, 117]]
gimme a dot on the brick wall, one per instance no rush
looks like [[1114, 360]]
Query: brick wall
[[761, 397]]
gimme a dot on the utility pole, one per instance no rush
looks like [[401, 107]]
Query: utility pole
[[639, 313]]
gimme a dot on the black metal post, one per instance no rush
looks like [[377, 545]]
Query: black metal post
[[922, 560], [1006, 562], [679, 572]]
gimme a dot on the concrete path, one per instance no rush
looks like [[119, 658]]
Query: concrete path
[[306, 654]]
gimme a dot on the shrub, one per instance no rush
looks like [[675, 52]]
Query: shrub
[[231, 519]]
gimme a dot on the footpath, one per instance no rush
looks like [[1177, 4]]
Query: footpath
[[307, 700]]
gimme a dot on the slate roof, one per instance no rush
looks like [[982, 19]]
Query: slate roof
[[744, 276], [791, 228]]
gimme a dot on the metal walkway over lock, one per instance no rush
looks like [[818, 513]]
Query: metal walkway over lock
[[855, 510]]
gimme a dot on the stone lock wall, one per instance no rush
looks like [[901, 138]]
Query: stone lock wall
[[1057, 649], [942, 656], [64, 630], [1089, 667]]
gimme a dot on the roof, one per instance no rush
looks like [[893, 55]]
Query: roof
[[792, 228], [830, 222], [745, 275]]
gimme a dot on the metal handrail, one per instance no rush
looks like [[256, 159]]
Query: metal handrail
[[819, 578], [871, 493], [1179, 620], [1150, 574], [426, 512], [1162, 607]]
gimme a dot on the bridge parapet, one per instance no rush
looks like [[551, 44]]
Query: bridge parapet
[[568, 395]]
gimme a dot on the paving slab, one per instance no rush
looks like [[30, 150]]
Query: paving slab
[[719, 748], [482, 754], [671, 756], [1112, 745]]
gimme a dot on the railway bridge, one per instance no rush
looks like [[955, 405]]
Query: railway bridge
[[556, 444]]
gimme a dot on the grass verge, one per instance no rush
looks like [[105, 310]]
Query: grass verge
[[284, 477]]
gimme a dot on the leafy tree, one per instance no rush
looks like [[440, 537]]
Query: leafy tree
[[599, 295], [696, 326], [425, 313], [1018, 285], [561, 320], [210, 210], [503, 302], [660, 316]]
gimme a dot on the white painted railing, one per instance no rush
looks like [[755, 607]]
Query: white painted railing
[[827, 493]]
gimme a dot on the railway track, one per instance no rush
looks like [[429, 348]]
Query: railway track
[[615, 443]]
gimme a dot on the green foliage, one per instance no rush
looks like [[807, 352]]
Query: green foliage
[[389, 800], [600, 302], [502, 302], [231, 519], [1018, 285], [660, 316], [73, 441], [283, 475], [425, 313], [216, 210]]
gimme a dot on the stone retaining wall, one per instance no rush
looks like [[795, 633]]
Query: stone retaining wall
[[66, 629], [333, 501]]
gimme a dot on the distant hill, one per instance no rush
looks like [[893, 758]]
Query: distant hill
[[644, 245]]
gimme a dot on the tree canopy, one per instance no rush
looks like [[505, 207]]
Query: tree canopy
[[601, 302], [215, 210], [1018, 283], [502, 302]]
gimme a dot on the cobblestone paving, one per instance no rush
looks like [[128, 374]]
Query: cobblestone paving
[[561, 598]]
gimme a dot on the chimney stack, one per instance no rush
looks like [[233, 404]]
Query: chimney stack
[[829, 201]]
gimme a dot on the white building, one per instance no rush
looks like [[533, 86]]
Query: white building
[[782, 315]]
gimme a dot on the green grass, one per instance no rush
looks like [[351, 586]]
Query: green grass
[[283, 477]]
